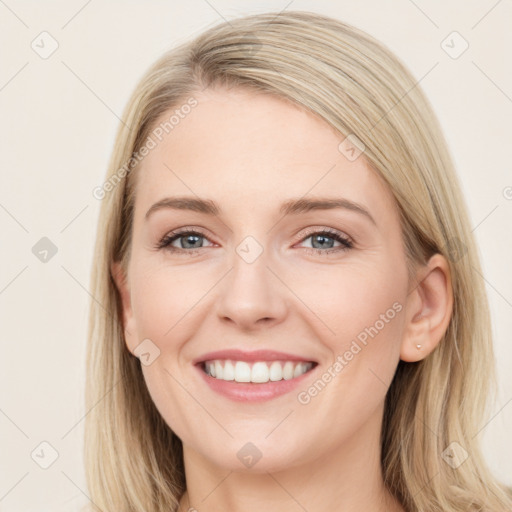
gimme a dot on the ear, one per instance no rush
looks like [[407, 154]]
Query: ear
[[429, 310], [129, 324]]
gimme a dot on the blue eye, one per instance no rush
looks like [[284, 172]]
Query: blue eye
[[193, 237], [323, 238], [190, 236]]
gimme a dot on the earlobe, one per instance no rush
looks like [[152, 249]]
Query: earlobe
[[429, 310], [128, 320]]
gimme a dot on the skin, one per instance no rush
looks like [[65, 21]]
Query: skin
[[250, 152]]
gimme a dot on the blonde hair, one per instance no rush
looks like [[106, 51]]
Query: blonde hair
[[134, 462]]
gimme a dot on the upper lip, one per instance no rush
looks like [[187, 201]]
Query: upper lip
[[255, 355]]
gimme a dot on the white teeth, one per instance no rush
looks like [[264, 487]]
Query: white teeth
[[259, 372], [229, 371], [288, 370], [219, 370], [242, 372], [276, 371], [299, 370], [210, 368]]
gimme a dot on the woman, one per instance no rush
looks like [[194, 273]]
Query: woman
[[287, 315]]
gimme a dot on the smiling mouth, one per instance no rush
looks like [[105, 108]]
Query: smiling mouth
[[257, 372]]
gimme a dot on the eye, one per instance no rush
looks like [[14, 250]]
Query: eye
[[323, 240], [191, 238]]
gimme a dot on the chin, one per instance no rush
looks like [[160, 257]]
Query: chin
[[257, 456]]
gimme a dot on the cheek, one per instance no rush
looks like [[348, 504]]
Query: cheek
[[350, 297], [172, 401], [367, 315], [163, 297], [361, 313], [368, 326]]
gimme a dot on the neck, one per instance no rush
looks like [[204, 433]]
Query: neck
[[347, 479]]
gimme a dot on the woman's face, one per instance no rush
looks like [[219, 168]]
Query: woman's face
[[277, 283]]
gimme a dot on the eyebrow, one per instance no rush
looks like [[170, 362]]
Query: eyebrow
[[290, 207]]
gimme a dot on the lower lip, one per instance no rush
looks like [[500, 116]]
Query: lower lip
[[250, 391]]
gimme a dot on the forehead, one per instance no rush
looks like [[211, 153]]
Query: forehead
[[243, 147]]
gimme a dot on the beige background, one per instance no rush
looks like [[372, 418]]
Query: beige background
[[58, 119]]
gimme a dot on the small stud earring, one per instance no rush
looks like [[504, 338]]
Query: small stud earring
[[418, 347]]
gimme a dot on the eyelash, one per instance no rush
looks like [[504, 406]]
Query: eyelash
[[165, 242]]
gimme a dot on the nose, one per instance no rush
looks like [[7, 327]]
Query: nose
[[251, 296]]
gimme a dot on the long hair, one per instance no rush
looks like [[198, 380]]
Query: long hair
[[435, 408]]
